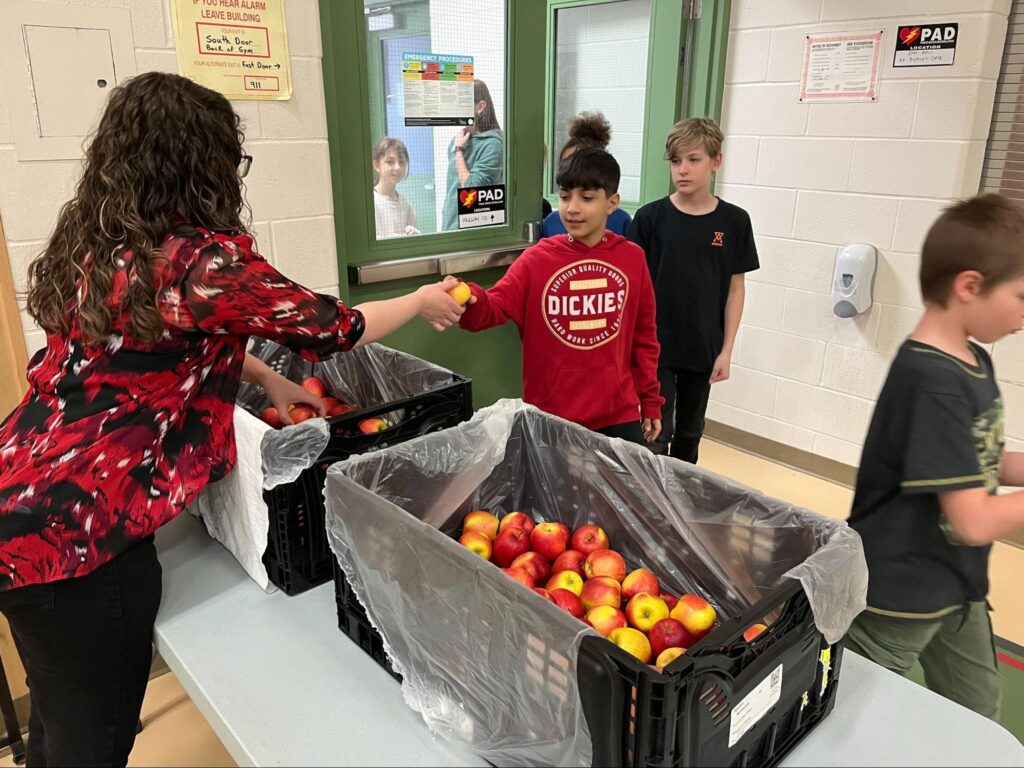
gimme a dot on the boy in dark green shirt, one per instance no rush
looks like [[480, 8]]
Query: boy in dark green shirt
[[926, 504]]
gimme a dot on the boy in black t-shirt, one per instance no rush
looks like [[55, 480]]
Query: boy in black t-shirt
[[926, 506], [698, 249]]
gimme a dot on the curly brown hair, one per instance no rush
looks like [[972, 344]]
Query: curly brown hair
[[165, 146], [587, 129]]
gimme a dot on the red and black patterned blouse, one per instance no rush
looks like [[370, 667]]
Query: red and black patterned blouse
[[112, 441]]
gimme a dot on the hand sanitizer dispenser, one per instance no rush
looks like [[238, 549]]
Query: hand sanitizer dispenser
[[854, 280]]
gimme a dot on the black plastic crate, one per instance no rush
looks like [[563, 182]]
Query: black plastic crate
[[298, 556], [353, 622], [682, 716]]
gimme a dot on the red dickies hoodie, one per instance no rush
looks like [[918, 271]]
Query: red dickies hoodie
[[587, 321]]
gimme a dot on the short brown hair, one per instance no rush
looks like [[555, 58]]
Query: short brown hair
[[693, 132], [388, 143], [984, 234]]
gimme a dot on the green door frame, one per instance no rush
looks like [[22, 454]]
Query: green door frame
[[346, 86], [679, 48], [491, 359]]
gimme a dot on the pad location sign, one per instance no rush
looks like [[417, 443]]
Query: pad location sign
[[481, 206], [926, 45]]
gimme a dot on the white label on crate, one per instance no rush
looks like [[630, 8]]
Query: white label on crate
[[754, 705]]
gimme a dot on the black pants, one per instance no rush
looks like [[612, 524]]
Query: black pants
[[86, 644], [686, 398], [631, 430]]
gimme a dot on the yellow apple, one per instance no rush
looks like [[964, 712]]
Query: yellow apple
[[481, 520], [476, 542], [632, 641], [569, 580], [667, 656], [645, 610], [460, 293]]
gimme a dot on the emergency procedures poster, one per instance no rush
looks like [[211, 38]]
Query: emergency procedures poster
[[236, 47], [437, 89]]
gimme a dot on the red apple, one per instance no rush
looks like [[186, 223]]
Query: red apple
[[568, 580], [570, 560], [751, 633], [369, 426], [477, 542], [481, 520], [589, 538], [544, 593], [517, 520], [670, 600], [605, 618], [640, 580], [534, 564], [645, 610], [520, 575], [548, 540], [601, 590], [301, 413], [669, 633], [565, 531], [341, 409], [510, 544], [272, 417], [314, 386], [567, 601], [330, 402], [605, 562], [696, 614]]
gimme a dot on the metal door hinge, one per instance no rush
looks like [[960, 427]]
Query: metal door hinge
[[693, 9]]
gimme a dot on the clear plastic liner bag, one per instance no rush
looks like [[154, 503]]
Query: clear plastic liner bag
[[487, 662], [362, 377], [288, 451], [233, 508]]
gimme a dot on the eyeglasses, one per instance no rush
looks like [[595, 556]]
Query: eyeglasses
[[244, 165]]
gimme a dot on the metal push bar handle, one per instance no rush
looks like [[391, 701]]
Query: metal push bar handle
[[445, 264]]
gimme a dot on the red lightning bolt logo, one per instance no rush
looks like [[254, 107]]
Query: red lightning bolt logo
[[909, 34]]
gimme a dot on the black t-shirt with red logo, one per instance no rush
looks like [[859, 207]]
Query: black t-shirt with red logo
[[692, 260]]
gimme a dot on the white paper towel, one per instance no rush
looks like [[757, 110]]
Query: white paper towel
[[233, 508]]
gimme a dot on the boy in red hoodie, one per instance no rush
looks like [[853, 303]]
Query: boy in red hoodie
[[584, 306]]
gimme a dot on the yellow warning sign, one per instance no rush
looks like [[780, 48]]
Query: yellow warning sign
[[236, 47]]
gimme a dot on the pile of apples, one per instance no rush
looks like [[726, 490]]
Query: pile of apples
[[335, 407], [579, 572]]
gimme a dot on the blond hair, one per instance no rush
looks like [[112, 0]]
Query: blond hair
[[694, 133]]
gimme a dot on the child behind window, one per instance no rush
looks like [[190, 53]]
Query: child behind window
[[392, 212]]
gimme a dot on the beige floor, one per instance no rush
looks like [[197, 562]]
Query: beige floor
[[175, 734], [173, 731]]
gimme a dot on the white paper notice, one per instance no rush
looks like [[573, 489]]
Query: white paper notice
[[843, 66], [755, 705]]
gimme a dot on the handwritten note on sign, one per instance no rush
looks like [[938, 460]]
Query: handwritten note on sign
[[237, 47]]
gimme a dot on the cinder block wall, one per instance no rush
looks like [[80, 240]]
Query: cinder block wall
[[815, 177], [289, 187]]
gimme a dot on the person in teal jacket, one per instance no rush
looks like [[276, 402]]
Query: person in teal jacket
[[476, 156]]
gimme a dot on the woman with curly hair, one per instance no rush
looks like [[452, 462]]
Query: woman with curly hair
[[587, 129], [148, 290]]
